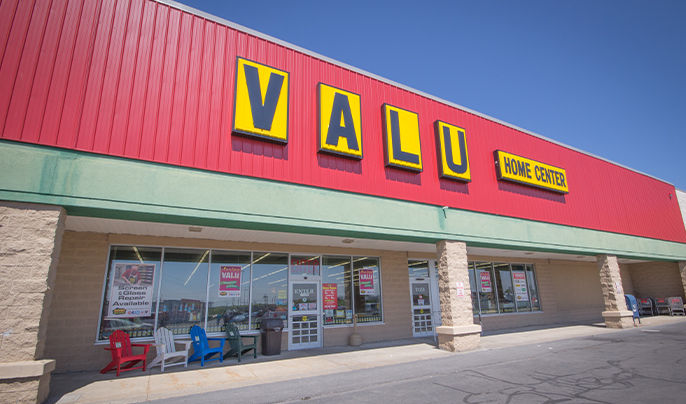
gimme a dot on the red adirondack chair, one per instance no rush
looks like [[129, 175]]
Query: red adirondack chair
[[120, 348]]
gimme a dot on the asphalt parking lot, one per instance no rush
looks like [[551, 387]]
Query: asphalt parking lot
[[646, 364]]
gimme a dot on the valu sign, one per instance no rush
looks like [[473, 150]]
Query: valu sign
[[340, 122], [261, 102], [261, 110]]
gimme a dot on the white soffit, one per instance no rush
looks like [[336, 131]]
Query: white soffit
[[114, 226], [97, 225], [493, 252]]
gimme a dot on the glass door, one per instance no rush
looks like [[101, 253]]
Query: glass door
[[304, 309], [426, 310], [422, 318], [304, 318]]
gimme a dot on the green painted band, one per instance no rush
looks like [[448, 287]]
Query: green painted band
[[108, 187]]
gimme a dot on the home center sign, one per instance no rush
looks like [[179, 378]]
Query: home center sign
[[261, 108], [530, 172]]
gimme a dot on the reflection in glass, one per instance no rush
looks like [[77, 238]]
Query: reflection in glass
[[504, 288], [533, 288], [269, 287], [484, 282], [305, 266], [184, 289], [418, 268], [128, 258], [420, 294], [367, 289], [472, 287], [513, 288], [229, 291], [305, 296], [180, 295], [521, 289], [336, 274]]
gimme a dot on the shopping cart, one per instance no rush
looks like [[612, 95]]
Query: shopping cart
[[676, 306], [646, 306]]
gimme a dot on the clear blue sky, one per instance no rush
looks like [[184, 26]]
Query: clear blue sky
[[607, 77]]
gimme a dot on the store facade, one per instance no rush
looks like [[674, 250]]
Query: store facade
[[163, 167]]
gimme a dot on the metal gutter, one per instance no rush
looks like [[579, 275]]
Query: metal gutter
[[280, 42]]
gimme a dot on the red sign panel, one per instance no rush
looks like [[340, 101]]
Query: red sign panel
[[485, 279], [112, 86], [229, 281], [330, 296], [367, 282]]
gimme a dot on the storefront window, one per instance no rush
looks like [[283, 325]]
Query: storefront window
[[533, 288], [305, 266], [521, 290], [488, 301], [367, 290], [472, 287], [503, 288], [229, 291], [184, 289], [269, 287], [418, 268], [176, 288], [503, 277], [337, 290], [131, 291]]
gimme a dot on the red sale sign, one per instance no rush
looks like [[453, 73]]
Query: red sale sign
[[229, 281], [330, 296], [485, 280], [366, 281]]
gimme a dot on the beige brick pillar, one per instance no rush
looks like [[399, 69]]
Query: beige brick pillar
[[458, 332], [616, 315], [30, 241]]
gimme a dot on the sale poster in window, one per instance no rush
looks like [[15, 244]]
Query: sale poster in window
[[229, 281], [131, 291], [330, 296], [521, 293], [282, 294], [485, 281], [367, 282]]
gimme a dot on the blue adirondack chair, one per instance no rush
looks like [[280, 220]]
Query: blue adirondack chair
[[201, 349]]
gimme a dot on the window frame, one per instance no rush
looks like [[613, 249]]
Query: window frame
[[352, 283], [538, 289], [472, 266], [209, 268], [351, 262], [251, 252], [256, 331], [249, 255], [350, 286], [105, 283]]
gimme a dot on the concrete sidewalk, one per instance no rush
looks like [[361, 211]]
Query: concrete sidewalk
[[92, 387]]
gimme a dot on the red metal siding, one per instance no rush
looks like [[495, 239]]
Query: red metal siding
[[142, 80]]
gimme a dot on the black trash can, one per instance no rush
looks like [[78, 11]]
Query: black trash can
[[270, 334]]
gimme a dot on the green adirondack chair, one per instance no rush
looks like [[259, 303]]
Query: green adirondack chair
[[238, 346]]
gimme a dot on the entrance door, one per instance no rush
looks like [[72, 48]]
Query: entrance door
[[304, 318], [422, 317]]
